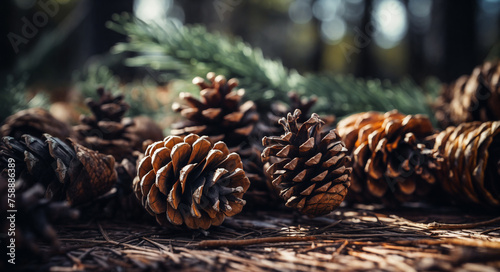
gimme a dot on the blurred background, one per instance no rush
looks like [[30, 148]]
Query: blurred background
[[388, 39]]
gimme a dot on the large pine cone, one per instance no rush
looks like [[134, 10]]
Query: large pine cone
[[391, 162], [471, 98], [218, 114], [108, 132], [471, 172], [36, 122], [190, 181], [310, 172], [67, 170]]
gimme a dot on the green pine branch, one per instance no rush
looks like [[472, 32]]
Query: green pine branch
[[190, 51]]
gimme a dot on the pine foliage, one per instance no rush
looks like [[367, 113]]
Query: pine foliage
[[15, 97], [189, 51]]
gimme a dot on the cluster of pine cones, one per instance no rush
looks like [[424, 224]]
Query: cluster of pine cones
[[399, 158], [63, 172], [223, 154]]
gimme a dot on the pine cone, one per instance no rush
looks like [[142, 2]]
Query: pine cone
[[108, 132], [311, 172], [391, 162], [471, 172], [190, 181], [33, 218], [218, 114], [67, 170], [36, 122], [471, 98]]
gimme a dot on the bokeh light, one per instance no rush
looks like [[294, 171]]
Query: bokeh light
[[300, 11], [326, 10], [390, 20], [333, 31], [353, 10], [152, 10], [490, 6], [420, 14]]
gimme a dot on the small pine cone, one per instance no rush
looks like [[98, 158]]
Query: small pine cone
[[36, 122], [68, 170], [188, 180], [471, 168], [108, 132], [218, 114], [33, 219], [310, 172], [391, 162], [471, 98]]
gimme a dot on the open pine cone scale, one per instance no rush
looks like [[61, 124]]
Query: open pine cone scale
[[217, 113], [309, 171], [391, 158], [190, 180]]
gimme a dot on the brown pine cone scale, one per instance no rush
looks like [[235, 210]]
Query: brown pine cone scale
[[392, 161], [68, 170], [109, 132], [218, 113], [473, 97], [188, 180], [471, 172], [35, 122], [310, 172]]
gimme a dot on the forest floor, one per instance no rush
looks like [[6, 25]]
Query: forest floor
[[351, 238]]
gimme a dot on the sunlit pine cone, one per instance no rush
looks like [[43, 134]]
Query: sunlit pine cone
[[472, 97], [310, 171], [471, 168], [190, 181], [36, 122], [391, 162], [261, 193], [67, 170]]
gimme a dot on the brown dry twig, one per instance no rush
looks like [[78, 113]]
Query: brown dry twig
[[435, 225], [255, 241]]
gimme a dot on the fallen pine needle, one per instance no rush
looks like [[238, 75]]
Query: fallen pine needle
[[436, 225], [255, 241]]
